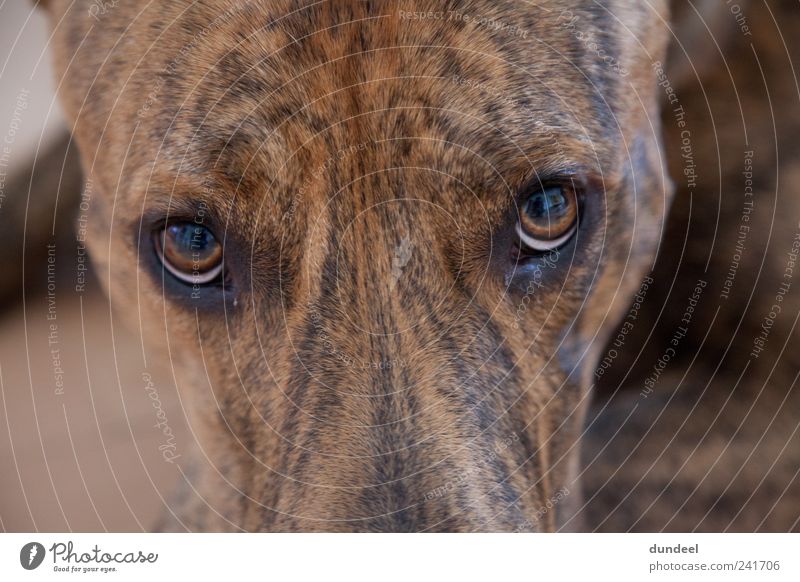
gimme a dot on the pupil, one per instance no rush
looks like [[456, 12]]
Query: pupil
[[193, 240], [546, 202]]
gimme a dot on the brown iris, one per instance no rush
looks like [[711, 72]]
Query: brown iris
[[190, 251], [548, 217]]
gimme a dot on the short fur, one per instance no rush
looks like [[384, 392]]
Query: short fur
[[335, 387]]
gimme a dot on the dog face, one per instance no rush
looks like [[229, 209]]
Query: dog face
[[382, 242]]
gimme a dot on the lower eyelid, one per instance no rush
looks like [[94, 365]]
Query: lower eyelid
[[193, 279], [545, 245]]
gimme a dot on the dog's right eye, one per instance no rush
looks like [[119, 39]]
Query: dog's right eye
[[190, 252], [548, 217]]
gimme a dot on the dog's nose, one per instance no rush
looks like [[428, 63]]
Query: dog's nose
[[397, 449]]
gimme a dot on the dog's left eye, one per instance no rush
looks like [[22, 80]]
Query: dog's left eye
[[548, 218], [189, 251]]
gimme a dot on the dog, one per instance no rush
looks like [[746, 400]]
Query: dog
[[383, 244]]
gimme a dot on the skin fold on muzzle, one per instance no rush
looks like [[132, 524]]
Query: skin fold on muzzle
[[383, 349]]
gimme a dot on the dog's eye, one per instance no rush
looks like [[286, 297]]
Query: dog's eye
[[190, 252], [548, 218]]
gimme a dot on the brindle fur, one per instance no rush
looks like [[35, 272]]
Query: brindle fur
[[302, 426]]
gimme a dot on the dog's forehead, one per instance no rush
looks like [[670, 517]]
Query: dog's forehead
[[274, 82], [225, 82]]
